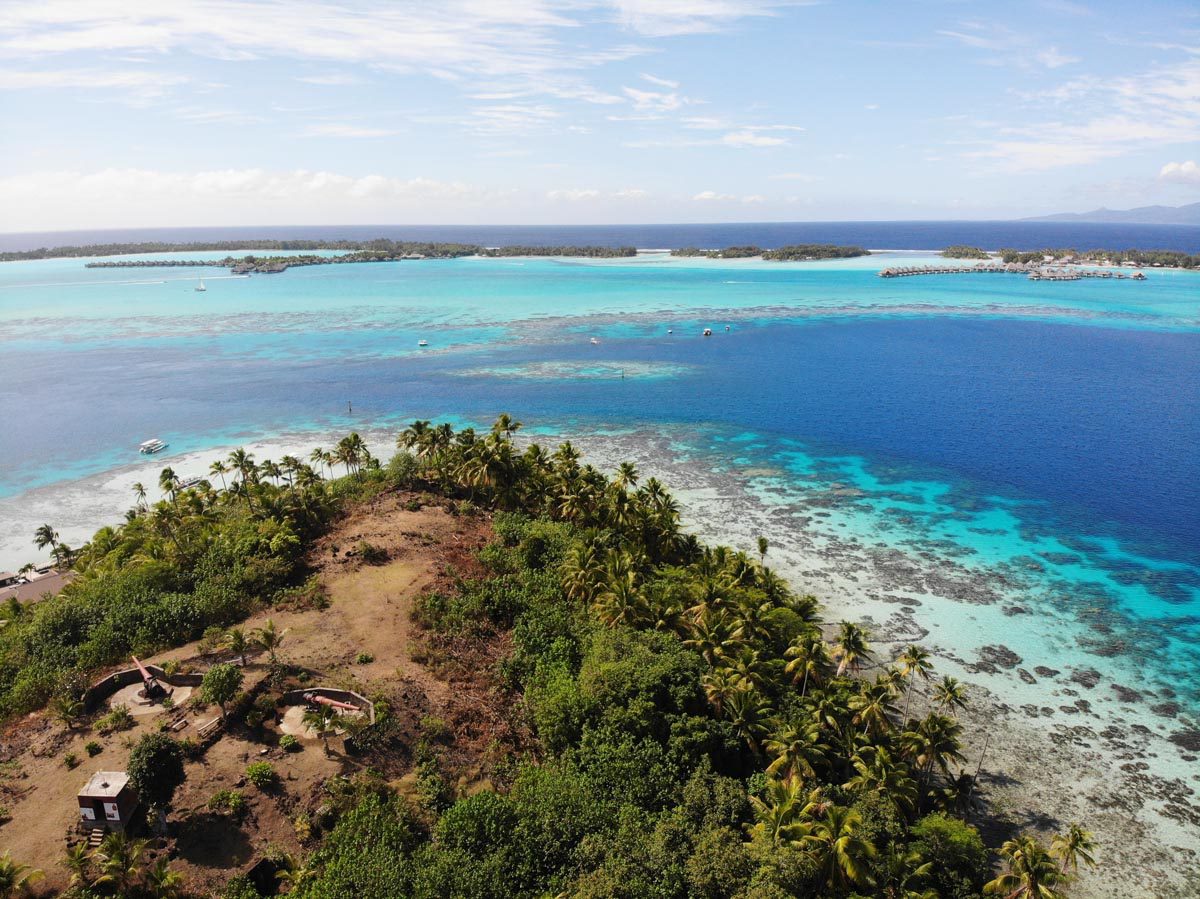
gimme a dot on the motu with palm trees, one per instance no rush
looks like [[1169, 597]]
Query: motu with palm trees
[[698, 729]]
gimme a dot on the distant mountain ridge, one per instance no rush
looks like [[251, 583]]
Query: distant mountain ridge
[[1143, 215]]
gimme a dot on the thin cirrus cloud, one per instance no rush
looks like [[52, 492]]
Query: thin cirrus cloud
[[222, 195], [344, 129], [1102, 118]]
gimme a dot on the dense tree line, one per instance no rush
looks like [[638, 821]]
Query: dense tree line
[[380, 247], [962, 251], [799, 252], [1112, 257], [791, 253], [700, 731]]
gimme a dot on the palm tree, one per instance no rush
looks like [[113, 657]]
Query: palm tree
[[871, 706], [67, 709], [1031, 872], [750, 714], [839, 851], [798, 752], [139, 494], [778, 815], [626, 476], [719, 684], [935, 741], [168, 482], [914, 662], [714, 636], [762, 550], [16, 877], [900, 868], [297, 874], [1075, 846], [270, 639], [620, 602], [162, 882], [219, 469], [120, 861], [877, 772], [506, 425], [851, 648], [236, 641], [79, 861], [950, 694], [320, 718], [809, 660], [45, 536]]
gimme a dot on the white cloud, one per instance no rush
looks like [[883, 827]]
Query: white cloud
[[1181, 173], [344, 129], [711, 196], [332, 79], [1051, 58], [796, 176], [1101, 119], [512, 118], [146, 197], [664, 18], [85, 78], [521, 42], [1011, 47], [654, 101], [661, 82], [632, 193], [749, 138], [574, 195]]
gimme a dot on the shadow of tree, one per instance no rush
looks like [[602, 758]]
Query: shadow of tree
[[212, 841]]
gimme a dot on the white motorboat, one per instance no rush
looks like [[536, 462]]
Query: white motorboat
[[595, 342], [422, 343], [151, 446]]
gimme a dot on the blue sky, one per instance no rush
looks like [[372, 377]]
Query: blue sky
[[192, 112]]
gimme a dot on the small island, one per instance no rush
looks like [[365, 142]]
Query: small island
[[962, 251], [792, 253]]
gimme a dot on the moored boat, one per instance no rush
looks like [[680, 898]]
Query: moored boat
[[153, 445]]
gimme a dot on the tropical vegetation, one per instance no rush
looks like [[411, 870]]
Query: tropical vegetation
[[695, 727]]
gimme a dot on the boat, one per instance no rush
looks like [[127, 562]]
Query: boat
[[151, 446], [200, 288], [708, 332], [595, 341], [422, 343]]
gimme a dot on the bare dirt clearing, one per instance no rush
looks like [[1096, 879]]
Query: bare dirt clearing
[[362, 641]]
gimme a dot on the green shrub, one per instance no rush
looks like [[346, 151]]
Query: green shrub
[[372, 554], [118, 718], [93, 749], [71, 760], [364, 658], [435, 730], [261, 774], [228, 802], [962, 865], [288, 743]]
